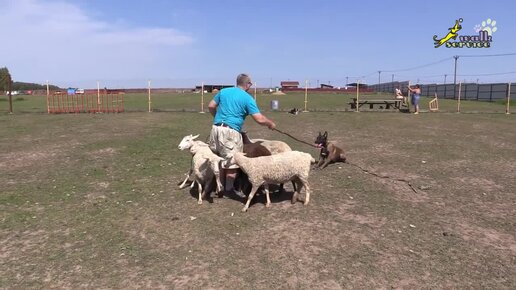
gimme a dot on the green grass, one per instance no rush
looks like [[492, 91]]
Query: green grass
[[91, 201], [192, 102]]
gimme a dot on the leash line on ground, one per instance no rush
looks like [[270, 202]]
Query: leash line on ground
[[384, 176], [357, 166]]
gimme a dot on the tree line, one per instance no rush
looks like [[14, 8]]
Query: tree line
[[6, 83]]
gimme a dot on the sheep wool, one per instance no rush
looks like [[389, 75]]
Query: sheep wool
[[205, 165], [276, 169]]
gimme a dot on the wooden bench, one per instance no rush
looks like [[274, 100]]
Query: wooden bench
[[386, 103]]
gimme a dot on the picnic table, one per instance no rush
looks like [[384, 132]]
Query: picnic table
[[383, 103]]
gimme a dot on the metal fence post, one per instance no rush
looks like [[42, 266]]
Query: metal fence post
[[491, 93]]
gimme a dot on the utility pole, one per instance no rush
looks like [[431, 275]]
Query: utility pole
[[347, 81], [379, 72], [10, 95], [445, 75], [392, 79], [456, 57]]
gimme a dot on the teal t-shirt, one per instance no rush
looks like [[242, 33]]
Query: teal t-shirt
[[233, 105]]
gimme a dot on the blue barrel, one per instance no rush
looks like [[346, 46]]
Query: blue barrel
[[274, 105]]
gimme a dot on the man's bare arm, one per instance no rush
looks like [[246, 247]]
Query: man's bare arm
[[212, 106], [264, 121]]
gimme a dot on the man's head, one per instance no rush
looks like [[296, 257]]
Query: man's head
[[244, 82]]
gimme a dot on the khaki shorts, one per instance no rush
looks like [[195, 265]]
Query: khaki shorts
[[225, 142]]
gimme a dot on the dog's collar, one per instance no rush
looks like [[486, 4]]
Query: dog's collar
[[324, 151]]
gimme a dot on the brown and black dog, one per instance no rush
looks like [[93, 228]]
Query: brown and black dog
[[329, 151]]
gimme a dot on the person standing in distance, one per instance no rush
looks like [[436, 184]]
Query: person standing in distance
[[416, 94], [229, 108]]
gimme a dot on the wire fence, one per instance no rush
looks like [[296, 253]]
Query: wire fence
[[478, 98], [468, 91]]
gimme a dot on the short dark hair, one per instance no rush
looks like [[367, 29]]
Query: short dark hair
[[417, 86], [243, 79]]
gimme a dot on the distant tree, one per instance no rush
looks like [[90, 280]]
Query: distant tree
[[21, 86], [6, 85], [5, 79]]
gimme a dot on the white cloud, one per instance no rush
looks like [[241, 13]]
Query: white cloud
[[57, 40]]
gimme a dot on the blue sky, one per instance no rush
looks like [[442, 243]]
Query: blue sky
[[182, 43]]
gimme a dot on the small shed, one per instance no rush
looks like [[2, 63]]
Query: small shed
[[289, 84]]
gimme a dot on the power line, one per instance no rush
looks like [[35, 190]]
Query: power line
[[490, 74], [488, 55], [419, 66], [443, 60]]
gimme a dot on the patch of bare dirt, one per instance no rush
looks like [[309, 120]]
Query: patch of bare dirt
[[483, 184], [489, 238]]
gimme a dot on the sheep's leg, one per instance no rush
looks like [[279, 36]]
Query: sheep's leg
[[251, 195], [304, 182], [183, 185], [293, 185], [222, 180], [266, 188], [218, 181], [199, 189], [296, 192], [207, 189]]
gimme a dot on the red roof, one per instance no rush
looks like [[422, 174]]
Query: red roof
[[289, 83]]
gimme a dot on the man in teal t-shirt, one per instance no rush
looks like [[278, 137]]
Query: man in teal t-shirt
[[229, 108]]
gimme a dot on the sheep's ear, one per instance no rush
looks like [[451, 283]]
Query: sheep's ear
[[195, 137]]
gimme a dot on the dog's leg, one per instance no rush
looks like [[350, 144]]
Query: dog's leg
[[321, 161], [326, 162]]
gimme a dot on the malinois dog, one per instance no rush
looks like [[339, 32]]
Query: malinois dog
[[329, 151]]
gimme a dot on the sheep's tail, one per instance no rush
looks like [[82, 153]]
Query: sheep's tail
[[312, 160]]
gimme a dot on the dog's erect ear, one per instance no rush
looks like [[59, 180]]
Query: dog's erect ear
[[325, 134], [320, 133]]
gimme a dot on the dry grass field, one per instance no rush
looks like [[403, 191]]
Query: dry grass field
[[91, 201]]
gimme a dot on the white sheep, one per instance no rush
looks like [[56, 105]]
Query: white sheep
[[275, 169], [186, 143], [205, 165], [274, 146]]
